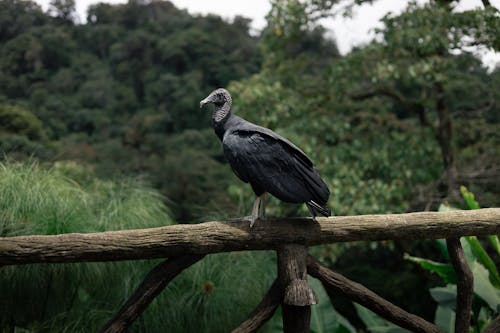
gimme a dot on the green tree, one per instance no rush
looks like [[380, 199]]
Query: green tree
[[17, 120], [18, 16], [415, 66]]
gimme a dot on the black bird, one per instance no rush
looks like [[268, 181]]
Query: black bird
[[266, 160]]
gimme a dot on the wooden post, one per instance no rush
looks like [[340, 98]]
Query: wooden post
[[298, 295], [465, 284]]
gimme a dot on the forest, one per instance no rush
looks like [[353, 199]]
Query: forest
[[100, 129]]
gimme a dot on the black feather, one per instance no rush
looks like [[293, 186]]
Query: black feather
[[266, 160]]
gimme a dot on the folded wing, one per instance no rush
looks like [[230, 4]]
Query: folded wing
[[270, 163]]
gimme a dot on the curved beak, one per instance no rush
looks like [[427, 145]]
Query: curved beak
[[204, 101]]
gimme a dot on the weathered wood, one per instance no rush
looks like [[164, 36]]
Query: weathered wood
[[340, 285], [156, 280], [296, 319], [298, 295], [465, 285], [263, 312], [292, 274], [213, 237]]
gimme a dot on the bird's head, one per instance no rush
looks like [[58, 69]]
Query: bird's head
[[218, 97]]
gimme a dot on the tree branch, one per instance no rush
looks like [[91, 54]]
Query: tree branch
[[486, 3], [263, 312], [465, 283], [215, 237], [417, 107], [151, 286], [379, 91], [338, 284]]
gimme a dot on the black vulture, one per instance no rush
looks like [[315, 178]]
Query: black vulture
[[266, 160]]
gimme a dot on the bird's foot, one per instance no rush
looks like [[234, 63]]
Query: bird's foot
[[258, 210], [252, 219]]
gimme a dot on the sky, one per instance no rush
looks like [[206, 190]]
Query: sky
[[348, 32]]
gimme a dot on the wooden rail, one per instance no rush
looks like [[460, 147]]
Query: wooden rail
[[214, 237], [186, 244]]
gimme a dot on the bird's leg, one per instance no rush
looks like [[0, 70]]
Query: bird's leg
[[262, 207], [312, 212], [257, 210]]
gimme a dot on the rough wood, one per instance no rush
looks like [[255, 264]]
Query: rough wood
[[296, 319], [263, 312], [340, 285], [486, 3], [212, 237], [292, 275], [298, 295], [465, 285], [151, 286]]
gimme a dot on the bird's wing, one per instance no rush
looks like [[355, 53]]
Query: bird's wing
[[271, 164], [249, 128]]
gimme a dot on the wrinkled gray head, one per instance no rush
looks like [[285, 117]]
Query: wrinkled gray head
[[218, 97]]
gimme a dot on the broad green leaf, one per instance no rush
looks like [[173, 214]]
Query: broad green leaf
[[483, 287], [446, 208], [445, 319], [483, 319], [445, 296], [441, 243], [445, 271], [467, 251], [324, 317], [483, 257]]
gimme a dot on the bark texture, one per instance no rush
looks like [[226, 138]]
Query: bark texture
[[465, 285], [298, 295], [214, 237], [342, 286]]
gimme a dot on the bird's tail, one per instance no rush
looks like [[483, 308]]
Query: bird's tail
[[315, 208]]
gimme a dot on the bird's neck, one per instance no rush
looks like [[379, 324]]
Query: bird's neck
[[219, 118], [221, 113]]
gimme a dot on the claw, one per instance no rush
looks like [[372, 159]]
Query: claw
[[252, 220]]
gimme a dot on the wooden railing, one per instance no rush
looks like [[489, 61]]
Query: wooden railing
[[184, 245]]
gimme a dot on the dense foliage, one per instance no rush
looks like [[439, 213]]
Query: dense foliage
[[121, 91], [396, 125]]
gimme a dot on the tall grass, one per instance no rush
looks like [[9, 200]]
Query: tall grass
[[212, 296]]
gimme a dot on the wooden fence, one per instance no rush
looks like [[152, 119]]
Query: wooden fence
[[184, 245]]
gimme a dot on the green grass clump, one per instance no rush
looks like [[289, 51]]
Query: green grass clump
[[214, 295], [34, 200]]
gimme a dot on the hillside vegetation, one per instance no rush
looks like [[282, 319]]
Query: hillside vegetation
[[100, 129]]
